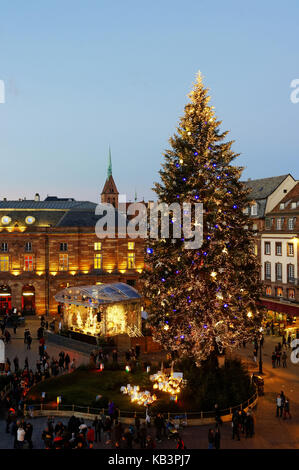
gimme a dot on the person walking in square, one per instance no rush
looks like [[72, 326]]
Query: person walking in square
[[211, 439], [278, 356], [286, 409], [284, 359], [217, 438], [235, 426], [90, 436], [255, 354], [273, 359], [278, 406], [29, 341]]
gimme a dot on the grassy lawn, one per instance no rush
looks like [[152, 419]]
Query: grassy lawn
[[82, 386], [227, 386]]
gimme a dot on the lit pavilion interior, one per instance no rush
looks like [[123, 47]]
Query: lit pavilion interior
[[103, 309]]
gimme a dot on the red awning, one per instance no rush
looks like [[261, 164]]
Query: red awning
[[281, 308]]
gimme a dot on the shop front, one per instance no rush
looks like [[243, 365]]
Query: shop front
[[283, 315], [5, 299], [28, 300]]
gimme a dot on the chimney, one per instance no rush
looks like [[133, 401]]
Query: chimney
[[37, 197]]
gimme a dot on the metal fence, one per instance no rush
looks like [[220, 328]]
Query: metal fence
[[44, 407]]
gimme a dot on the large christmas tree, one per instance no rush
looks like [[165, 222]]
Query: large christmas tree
[[204, 300]]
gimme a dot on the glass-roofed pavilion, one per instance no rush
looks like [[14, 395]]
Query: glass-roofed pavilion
[[102, 309]]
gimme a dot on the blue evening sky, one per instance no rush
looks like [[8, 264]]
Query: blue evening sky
[[83, 74]]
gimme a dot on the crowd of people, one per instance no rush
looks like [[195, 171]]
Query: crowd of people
[[108, 430], [279, 357]]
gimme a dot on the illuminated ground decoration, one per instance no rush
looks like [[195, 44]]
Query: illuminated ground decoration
[[141, 398], [171, 384]]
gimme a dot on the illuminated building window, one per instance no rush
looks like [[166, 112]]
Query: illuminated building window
[[131, 245], [279, 292], [98, 261], [97, 246], [63, 262], [28, 263], [63, 246], [255, 249], [131, 260], [290, 249], [291, 293], [4, 263], [28, 247], [268, 290]]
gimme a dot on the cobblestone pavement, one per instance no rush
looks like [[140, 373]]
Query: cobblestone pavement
[[271, 432], [18, 348]]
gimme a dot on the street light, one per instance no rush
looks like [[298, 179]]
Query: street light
[[261, 360]]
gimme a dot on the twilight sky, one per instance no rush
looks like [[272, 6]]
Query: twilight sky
[[83, 74]]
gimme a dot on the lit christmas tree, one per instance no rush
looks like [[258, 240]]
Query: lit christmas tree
[[205, 300]]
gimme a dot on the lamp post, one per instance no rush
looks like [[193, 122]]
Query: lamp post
[[261, 359]]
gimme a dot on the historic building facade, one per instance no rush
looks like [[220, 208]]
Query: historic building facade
[[280, 257], [48, 245], [265, 194], [273, 207]]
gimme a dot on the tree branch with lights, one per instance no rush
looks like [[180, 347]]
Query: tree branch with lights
[[205, 300]]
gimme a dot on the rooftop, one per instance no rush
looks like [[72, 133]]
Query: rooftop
[[290, 203], [95, 295], [262, 188]]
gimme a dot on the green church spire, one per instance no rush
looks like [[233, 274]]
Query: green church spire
[[109, 172]]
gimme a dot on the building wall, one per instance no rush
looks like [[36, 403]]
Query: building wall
[[46, 277], [284, 259]]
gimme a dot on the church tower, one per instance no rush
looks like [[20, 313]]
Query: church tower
[[110, 193]]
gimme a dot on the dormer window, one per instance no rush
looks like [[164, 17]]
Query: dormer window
[[30, 220], [4, 246], [254, 209], [6, 220], [28, 247]]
